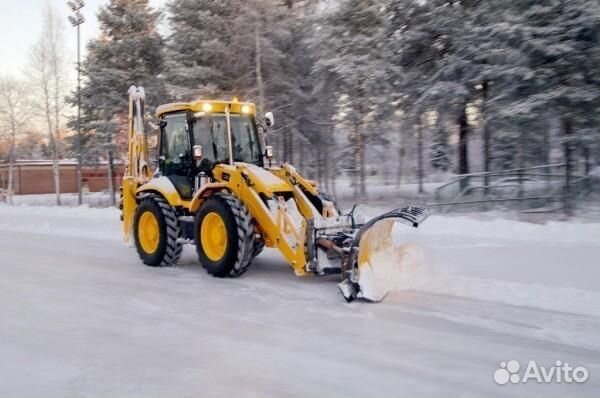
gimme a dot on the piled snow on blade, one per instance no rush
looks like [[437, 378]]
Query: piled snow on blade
[[394, 269], [385, 266]]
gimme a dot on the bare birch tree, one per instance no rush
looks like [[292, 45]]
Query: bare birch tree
[[12, 120], [48, 71]]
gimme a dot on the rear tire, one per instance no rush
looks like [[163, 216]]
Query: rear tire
[[230, 256], [167, 250]]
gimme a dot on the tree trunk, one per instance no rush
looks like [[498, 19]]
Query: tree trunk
[[568, 198], [259, 76], [53, 152], [280, 147], [291, 146], [11, 161], [546, 156], [420, 171], [283, 147], [326, 173], [287, 146], [385, 171], [318, 163], [301, 157], [286, 150], [521, 163], [547, 149], [111, 181], [56, 174], [587, 166], [56, 93], [331, 163], [9, 193], [363, 164], [57, 145], [333, 180], [401, 154], [486, 135], [400, 158], [586, 160], [357, 158], [463, 137]]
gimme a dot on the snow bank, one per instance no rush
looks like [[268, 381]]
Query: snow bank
[[92, 199], [82, 221], [556, 232], [547, 266]]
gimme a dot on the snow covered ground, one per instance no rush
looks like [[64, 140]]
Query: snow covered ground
[[81, 316], [92, 199]]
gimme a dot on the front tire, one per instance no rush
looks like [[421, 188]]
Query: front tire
[[224, 236], [155, 231]]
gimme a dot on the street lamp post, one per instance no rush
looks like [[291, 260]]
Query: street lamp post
[[76, 20]]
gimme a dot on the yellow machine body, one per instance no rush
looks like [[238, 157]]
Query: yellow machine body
[[287, 210]]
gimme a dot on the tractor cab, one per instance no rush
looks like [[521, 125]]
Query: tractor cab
[[196, 136]]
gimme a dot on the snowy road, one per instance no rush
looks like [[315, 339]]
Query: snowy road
[[80, 316]]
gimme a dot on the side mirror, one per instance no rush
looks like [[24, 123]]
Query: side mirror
[[197, 152], [269, 119]]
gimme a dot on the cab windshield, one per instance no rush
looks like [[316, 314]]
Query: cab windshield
[[210, 131]]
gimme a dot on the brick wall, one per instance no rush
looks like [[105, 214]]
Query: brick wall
[[36, 177]]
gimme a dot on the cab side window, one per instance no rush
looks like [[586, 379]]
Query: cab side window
[[175, 144]]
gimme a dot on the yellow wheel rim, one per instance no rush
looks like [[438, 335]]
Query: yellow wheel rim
[[148, 232], [213, 236]]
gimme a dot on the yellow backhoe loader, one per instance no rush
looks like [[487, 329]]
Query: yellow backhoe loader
[[214, 186]]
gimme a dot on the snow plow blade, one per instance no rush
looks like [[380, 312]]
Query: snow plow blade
[[374, 263]]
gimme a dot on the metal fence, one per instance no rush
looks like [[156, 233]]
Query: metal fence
[[544, 188]]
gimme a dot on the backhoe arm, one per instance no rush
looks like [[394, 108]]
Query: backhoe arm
[[137, 171]]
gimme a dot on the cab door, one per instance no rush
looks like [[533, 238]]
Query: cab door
[[175, 160]]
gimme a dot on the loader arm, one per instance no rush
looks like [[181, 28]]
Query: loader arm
[[263, 194], [306, 190]]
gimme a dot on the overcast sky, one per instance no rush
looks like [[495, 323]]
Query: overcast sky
[[20, 26]]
